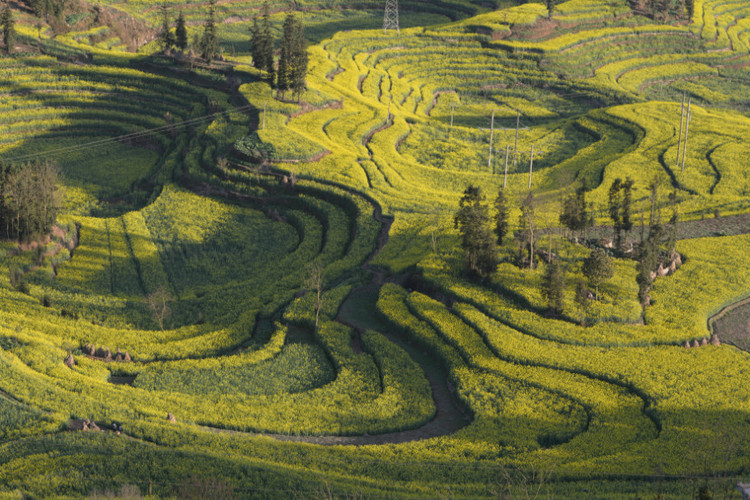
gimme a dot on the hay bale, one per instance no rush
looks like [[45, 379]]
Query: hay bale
[[695, 343], [70, 361], [687, 345], [715, 340], [704, 341], [171, 418], [88, 349], [126, 357]]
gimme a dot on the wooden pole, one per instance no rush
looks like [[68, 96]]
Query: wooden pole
[[505, 176], [682, 118], [531, 165], [492, 136], [515, 148], [687, 129]]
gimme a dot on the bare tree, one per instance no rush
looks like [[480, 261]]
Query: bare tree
[[158, 302]]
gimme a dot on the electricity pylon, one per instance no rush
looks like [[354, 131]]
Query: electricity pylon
[[390, 21]]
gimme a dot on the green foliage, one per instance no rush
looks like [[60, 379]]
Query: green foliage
[[8, 25], [553, 286], [598, 268], [209, 40], [180, 33], [472, 220]]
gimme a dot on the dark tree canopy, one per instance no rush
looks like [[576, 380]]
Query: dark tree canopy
[[28, 199], [8, 25], [209, 42], [620, 199], [574, 214], [473, 222], [166, 38], [553, 286], [501, 218], [180, 32], [293, 60], [598, 268], [527, 225]]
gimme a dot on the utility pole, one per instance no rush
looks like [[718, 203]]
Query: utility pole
[[492, 136], [682, 118], [687, 129], [505, 176], [515, 148], [390, 20]]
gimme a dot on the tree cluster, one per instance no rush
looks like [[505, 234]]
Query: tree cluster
[[291, 73], [575, 215], [28, 199], [663, 10], [166, 38]]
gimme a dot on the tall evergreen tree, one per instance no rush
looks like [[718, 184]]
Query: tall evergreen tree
[[299, 60], [472, 220], [166, 38], [8, 24], [283, 75], [574, 214], [181, 36], [266, 47], [527, 223], [501, 218], [598, 268], [553, 286], [620, 198], [209, 42]]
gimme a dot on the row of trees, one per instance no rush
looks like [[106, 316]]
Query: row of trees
[[207, 44], [475, 225], [291, 72], [29, 200]]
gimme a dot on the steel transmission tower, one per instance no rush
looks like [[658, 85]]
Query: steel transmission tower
[[390, 21]]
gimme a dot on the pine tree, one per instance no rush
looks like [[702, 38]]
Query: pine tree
[[8, 25], [285, 71], [598, 268], [166, 38], [553, 287], [527, 224], [574, 214], [181, 36], [582, 300], [266, 47], [501, 219], [620, 198], [209, 42], [472, 220], [299, 60]]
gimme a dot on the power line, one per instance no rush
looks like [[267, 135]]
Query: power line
[[129, 136]]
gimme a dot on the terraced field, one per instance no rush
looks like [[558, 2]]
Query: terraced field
[[414, 381]]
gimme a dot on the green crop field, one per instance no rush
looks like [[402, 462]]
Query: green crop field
[[287, 278]]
